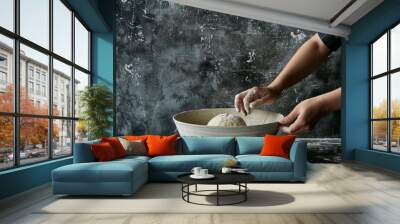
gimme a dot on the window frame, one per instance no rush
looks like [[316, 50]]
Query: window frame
[[16, 115], [388, 74]]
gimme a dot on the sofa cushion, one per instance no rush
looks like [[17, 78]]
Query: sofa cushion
[[116, 145], [185, 163], [161, 145], [112, 171], [135, 137], [208, 145], [133, 158], [277, 145], [249, 145], [257, 163], [135, 147], [103, 152]]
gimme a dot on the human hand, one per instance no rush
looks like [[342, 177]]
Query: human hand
[[307, 113], [249, 99], [303, 117]]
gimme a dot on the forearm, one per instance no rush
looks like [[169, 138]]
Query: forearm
[[330, 101], [307, 59]]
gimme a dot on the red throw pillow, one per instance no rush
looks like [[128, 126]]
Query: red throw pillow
[[161, 145], [275, 145], [135, 137], [116, 145], [103, 152]]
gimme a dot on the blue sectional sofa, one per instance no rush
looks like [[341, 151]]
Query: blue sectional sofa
[[125, 176]]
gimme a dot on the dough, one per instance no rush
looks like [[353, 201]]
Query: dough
[[226, 120]]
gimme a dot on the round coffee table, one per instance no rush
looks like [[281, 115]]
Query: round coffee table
[[238, 179]]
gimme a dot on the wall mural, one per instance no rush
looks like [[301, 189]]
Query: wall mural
[[171, 58]]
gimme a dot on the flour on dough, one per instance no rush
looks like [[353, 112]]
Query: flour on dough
[[227, 120]]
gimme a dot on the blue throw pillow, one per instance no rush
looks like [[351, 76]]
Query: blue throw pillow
[[208, 145], [249, 145]]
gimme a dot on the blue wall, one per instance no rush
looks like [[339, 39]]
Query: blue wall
[[355, 134], [103, 62], [102, 58]]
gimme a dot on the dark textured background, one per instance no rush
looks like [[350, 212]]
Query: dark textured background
[[172, 58]]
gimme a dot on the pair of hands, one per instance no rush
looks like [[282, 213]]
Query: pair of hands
[[302, 118]]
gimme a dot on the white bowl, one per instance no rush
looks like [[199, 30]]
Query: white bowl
[[194, 123]]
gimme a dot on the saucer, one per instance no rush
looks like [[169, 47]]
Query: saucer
[[208, 176]]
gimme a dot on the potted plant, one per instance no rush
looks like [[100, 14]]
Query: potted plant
[[96, 102]]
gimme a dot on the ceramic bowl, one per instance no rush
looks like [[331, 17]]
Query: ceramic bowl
[[194, 123]]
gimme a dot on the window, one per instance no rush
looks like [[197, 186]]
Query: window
[[30, 88], [81, 45], [35, 21], [385, 92], [7, 14], [37, 74], [3, 61], [44, 91], [44, 127], [6, 142], [6, 73], [62, 137], [81, 81], [30, 72], [3, 78], [62, 31], [62, 75], [38, 89]]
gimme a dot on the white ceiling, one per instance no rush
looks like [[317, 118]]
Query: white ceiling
[[320, 9], [324, 16]]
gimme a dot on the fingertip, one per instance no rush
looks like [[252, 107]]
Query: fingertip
[[284, 129]]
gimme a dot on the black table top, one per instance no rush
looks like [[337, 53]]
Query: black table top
[[220, 178]]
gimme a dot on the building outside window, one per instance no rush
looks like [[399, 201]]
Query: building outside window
[[43, 90], [3, 72], [58, 128], [30, 87], [385, 92], [3, 60], [44, 77], [3, 78], [30, 72], [38, 89]]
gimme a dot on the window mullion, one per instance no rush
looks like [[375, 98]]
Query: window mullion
[[16, 70], [371, 137], [73, 82], [50, 81], [389, 106]]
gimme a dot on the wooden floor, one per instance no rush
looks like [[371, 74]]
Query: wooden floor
[[379, 189]]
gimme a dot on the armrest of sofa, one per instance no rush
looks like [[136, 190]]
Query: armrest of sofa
[[83, 152], [298, 155]]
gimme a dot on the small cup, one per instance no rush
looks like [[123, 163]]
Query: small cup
[[226, 170], [203, 172], [196, 171]]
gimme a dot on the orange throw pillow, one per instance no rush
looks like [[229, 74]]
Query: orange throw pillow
[[135, 137], [275, 145], [116, 145], [161, 145], [103, 152]]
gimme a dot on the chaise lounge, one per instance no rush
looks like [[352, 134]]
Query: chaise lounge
[[125, 176]]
